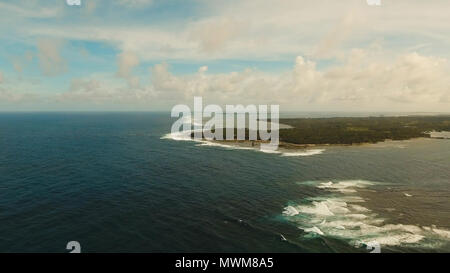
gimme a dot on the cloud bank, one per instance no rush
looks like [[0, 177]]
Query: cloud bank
[[360, 82], [150, 54]]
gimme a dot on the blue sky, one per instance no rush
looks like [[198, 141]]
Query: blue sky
[[150, 54]]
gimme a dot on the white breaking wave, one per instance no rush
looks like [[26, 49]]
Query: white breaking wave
[[315, 230], [345, 217], [349, 186], [304, 153], [179, 136], [226, 146]]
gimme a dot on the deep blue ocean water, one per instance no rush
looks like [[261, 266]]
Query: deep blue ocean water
[[110, 182]]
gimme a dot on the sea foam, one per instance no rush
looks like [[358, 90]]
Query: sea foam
[[344, 217], [307, 152]]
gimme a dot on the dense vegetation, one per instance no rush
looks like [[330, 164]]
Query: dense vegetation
[[354, 130], [360, 129]]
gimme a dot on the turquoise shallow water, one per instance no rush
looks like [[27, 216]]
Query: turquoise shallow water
[[111, 182]]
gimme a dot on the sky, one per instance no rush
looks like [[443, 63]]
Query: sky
[[149, 55]]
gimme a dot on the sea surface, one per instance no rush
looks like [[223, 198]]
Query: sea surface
[[119, 182]]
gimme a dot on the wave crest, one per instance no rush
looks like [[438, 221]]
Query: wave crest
[[345, 217]]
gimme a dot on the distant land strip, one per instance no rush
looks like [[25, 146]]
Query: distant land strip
[[358, 130]]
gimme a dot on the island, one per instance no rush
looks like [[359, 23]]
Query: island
[[355, 130]]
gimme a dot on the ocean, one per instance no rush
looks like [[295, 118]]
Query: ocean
[[119, 182]]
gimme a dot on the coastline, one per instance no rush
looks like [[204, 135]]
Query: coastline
[[293, 146]]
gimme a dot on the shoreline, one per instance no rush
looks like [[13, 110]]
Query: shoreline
[[294, 146]]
